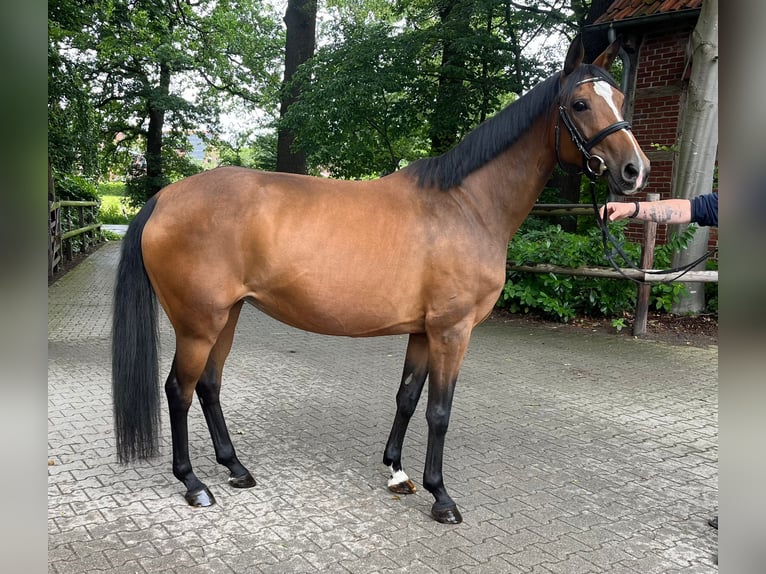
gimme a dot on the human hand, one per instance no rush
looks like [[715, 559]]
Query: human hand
[[614, 211]]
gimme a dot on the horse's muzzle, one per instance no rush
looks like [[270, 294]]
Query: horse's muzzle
[[631, 178]]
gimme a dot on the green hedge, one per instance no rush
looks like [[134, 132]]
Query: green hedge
[[75, 188], [564, 297], [115, 206]]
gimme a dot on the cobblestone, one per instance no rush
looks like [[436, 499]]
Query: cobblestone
[[566, 454]]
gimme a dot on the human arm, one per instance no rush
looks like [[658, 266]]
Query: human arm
[[662, 211]]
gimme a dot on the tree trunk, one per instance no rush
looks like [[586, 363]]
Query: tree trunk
[[300, 19], [155, 179], [698, 143]]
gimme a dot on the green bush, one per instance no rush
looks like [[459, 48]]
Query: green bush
[[711, 289], [75, 188], [115, 208], [107, 235], [564, 297], [111, 188]]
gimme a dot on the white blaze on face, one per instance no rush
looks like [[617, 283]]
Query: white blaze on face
[[606, 91]]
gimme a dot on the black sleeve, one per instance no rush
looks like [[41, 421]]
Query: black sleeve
[[705, 209]]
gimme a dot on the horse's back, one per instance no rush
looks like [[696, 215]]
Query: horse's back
[[330, 256]]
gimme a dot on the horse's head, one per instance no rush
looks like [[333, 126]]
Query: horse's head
[[596, 137]]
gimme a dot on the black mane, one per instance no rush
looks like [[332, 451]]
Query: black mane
[[498, 133]]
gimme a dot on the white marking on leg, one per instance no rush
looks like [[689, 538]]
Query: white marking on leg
[[397, 477]]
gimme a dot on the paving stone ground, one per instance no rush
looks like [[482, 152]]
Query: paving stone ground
[[567, 454]]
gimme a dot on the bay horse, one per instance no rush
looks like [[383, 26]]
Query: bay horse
[[421, 251]]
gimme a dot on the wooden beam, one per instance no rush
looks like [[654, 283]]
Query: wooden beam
[[609, 273]]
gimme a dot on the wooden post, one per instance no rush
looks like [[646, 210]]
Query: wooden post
[[51, 227], [90, 235], [81, 218], [647, 262]]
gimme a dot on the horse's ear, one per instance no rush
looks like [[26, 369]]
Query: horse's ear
[[606, 57], [575, 54]]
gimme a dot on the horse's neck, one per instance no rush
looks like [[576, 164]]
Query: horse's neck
[[510, 184]]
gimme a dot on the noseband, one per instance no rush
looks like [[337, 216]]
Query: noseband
[[581, 143], [607, 238]]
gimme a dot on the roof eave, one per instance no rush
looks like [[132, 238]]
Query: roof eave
[[653, 19]]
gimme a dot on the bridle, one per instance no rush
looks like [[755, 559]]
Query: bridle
[[593, 173], [586, 146]]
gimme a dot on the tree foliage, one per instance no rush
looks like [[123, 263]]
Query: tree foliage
[[391, 82], [73, 133], [355, 116], [396, 81], [153, 71]]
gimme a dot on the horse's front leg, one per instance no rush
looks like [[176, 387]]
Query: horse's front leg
[[446, 351], [413, 378]]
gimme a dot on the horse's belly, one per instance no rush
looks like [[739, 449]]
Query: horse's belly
[[354, 316]]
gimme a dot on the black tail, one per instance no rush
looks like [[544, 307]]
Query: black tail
[[135, 361]]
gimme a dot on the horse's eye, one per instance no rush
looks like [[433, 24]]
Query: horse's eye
[[579, 106]]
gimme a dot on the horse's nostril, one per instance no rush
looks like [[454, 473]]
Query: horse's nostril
[[630, 173]]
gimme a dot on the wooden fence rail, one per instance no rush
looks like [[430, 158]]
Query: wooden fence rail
[[60, 244], [608, 273], [647, 260]]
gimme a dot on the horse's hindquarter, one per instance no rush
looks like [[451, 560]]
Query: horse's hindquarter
[[341, 258]]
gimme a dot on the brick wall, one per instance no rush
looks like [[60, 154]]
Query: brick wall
[[660, 88], [660, 94]]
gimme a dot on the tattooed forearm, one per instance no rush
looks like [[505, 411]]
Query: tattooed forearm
[[664, 213]]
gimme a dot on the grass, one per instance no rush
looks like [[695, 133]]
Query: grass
[[114, 208]]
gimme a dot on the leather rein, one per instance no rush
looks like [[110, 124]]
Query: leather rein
[[594, 172]]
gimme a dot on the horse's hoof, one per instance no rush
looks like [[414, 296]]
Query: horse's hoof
[[244, 481], [406, 487], [450, 515], [202, 497]]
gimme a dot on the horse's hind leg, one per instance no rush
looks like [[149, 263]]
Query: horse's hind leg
[[200, 341], [413, 378], [188, 365], [208, 391]]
